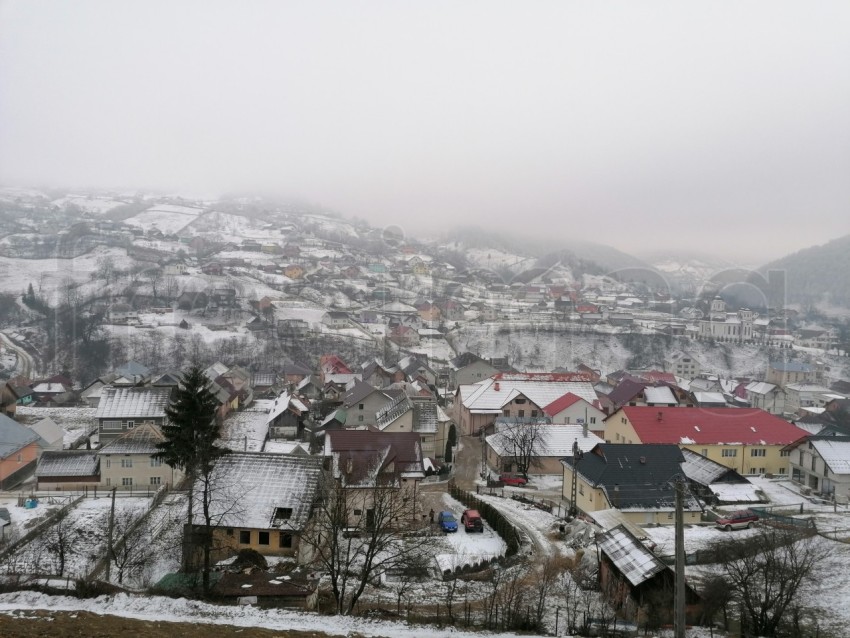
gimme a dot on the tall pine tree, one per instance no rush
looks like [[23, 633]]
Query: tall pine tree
[[191, 437]]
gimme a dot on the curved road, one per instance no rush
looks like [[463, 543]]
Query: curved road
[[25, 365]]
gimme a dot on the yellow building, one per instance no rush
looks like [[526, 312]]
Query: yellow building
[[748, 440], [637, 480]]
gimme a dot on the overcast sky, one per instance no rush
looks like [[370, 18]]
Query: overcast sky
[[719, 127]]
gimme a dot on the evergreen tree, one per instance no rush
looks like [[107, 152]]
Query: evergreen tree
[[191, 435]]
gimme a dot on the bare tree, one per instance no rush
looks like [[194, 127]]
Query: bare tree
[[57, 542], [524, 444], [356, 534], [154, 277], [767, 572], [131, 553], [545, 579]]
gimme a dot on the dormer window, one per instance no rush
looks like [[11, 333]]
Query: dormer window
[[281, 514]]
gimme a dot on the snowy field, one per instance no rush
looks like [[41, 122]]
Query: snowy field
[[168, 219], [86, 537]]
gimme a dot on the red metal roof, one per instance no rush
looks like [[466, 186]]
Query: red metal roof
[[561, 403], [542, 376], [710, 426]]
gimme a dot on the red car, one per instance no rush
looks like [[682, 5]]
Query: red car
[[510, 479], [471, 521], [737, 520]]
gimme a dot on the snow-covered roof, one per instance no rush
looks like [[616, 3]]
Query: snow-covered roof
[[835, 453], [553, 440], [268, 484], [710, 397], [760, 387], [67, 463], [48, 430], [661, 395], [703, 470], [14, 436], [139, 440], [133, 402], [735, 492], [492, 394], [630, 556]]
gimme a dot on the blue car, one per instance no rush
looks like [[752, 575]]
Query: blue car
[[447, 521]]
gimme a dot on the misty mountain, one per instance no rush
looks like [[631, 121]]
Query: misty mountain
[[580, 256], [817, 274]]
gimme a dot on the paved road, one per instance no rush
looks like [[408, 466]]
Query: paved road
[[26, 364]]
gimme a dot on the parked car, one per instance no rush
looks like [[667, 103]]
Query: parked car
[[447, 522], [510, 479], [471, 521], [737, 520]]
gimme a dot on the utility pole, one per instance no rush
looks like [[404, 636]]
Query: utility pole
[[577, 454], [109, 535], [679, 592]]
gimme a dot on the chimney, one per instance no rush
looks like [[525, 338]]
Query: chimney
[[496, 386]]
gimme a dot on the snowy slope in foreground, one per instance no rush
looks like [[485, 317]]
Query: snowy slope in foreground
[[183, 610]]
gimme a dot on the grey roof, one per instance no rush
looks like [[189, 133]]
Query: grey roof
[[133, 402], [465, 359], [634, 475], [359, 391], [630, 556], [48, 430], [704, 471], [265, 482], [67, 463], [142, 439], [14, 436]]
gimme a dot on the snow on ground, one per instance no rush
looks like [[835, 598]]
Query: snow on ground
[[697, 537], [466, 548], [536, 523], [165, 526], [86, 525], [24, 519], [48, 275], [166, 218], [182, 610], [436, 349], [74, 421], [88, 204]]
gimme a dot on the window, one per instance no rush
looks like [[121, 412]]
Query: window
[[785, 453], [728, 452], [581, 488], [704, 451], [263, 538], [360, 418], [617, 436], [283, 513], [108, 463], [360, 407], [782, 470], [108, 482], [286, 540], [127, 462], [534, 413], [155, 480], [245, 536], [758, 451], [358, 512], [131, 425], [156, 462], [112, 425], [20, 458], [519, 401], [127, 481], [229, 531], [506, 412], [521, 413], [593, 420], [814, 463]]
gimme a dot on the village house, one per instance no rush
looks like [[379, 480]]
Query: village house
[[682, 364], [294, 271], [636, 479], [572, 409], [20, 448], [336, 320], [362, 402], [68, 470], [127, 461], [469, 368], [716, 483], [748, 440], [14, 394], [782, 373], [275, 493], [362, 461], [287, 417], [799, 396], [766, 396], [404, 336], [821, 464], [379, 375], [545, 448], [411, 414], [292, 328], [514, 394], [122, 409]]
